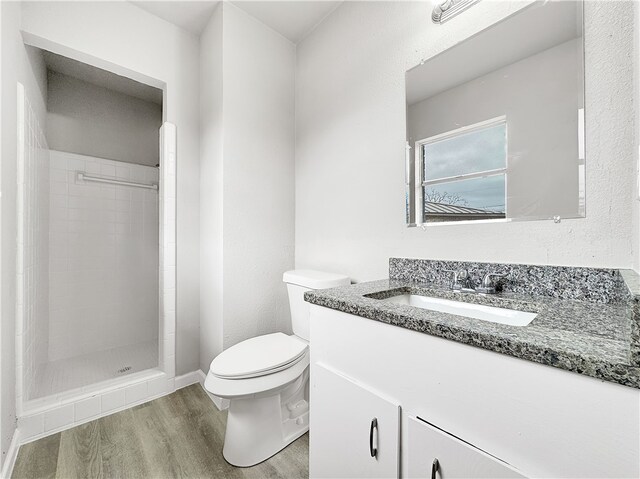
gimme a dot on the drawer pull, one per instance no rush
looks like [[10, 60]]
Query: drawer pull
[[435, 467], [374, 426]]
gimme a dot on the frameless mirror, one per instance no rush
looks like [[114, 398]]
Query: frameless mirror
[[495, 124]]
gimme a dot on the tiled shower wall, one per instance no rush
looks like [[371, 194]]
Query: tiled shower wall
[[103, 256], [33, 247]]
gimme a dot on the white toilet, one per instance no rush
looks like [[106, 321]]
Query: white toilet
[[266, 380]]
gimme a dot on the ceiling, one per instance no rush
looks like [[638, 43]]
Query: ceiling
[[102, 78], [293, 19], [192, 16]]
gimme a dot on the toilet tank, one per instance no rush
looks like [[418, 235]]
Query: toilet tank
[[300, 280]]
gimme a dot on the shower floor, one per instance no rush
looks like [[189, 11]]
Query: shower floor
[[72, 373]]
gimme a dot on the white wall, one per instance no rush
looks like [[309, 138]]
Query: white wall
[[259, 148], [636, 199], [103, 257], [17, 64], [127, 40], [248, 228], [91, 120], [350, 130], [211, 190]]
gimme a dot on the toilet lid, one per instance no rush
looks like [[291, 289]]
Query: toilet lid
[[259, 356]]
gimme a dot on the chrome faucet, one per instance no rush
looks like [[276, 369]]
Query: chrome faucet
[[462, 282], [488, 286], [454, 281], [454, 285]]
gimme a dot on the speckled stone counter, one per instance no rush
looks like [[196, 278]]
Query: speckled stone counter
[[597, 337], [563, 282]]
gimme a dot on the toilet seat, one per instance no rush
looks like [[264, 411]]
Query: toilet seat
[[258, 365], [256, 386], [259, 356]]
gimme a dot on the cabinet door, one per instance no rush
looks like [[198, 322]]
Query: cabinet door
[[456, 458], [354, 431]]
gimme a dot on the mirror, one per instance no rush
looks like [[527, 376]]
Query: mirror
[[495, 124]]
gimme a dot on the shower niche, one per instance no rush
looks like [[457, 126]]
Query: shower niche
[[90, 242]]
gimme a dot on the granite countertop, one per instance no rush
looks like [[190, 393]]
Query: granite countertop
[[596, 339]]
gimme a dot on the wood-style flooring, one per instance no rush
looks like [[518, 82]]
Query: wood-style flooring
[[179, 435]]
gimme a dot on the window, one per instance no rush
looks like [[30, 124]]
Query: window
[[464, 173]]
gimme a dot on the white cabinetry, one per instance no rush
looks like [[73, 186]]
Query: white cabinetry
[[355, 430], [433, 453], [544, 421]]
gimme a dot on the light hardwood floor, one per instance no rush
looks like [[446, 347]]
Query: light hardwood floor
[[179, 435]]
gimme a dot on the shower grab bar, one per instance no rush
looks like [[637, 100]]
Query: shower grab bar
[[84, 177]]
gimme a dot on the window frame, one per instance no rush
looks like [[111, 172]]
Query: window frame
[[421, 183]]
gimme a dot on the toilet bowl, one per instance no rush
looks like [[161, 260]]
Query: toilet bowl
[[268, 396], [266, 380]]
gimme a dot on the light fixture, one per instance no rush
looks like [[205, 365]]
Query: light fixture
[[448, 9]]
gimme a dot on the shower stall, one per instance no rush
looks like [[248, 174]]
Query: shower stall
[[96, 243], [103, 273]]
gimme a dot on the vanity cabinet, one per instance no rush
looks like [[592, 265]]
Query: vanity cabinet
[[510, 417], [357, 429], [437, 454]]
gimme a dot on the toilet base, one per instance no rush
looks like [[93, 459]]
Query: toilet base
[[260, 426]]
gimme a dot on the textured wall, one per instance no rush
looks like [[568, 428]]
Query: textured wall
[[350, 145], [94, 121], [259, 157], [211, 190], [247, 227], [636, 124]]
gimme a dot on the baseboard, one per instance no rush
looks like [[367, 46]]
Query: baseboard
[[10, 458], [189, 379], [220, 403], [199, 377]]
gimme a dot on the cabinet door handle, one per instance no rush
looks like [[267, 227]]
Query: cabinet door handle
[[435, 467], [374, 426]]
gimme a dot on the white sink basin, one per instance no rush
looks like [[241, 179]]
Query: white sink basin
[[477, 311]]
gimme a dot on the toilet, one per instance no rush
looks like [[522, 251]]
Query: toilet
[[266, 380]]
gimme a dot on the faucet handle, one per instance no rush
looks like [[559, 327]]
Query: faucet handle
[[455, 284], [454, 272], [487, 278], [487, 286]]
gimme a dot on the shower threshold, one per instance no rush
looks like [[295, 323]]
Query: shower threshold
[[81, 373], [54, 413]]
